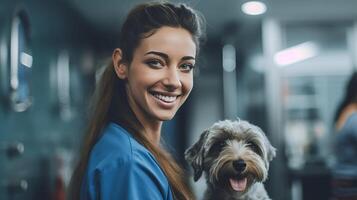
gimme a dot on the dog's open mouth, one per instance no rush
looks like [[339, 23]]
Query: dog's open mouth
[[238, 184]]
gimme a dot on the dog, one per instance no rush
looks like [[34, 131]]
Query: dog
[[234, 156]]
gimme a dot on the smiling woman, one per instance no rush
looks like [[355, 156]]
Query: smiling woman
[[160, 76], [150, 77]]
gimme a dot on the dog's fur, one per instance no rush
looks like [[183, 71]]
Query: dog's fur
[[234, 156]]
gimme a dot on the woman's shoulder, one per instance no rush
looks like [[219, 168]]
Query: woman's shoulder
[[353, 116], [119, 167], [118, 148], [351, 121]]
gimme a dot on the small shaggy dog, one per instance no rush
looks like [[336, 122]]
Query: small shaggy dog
[[235, 156]]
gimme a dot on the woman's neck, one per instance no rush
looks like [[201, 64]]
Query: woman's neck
[[152, 128], [153, 131]]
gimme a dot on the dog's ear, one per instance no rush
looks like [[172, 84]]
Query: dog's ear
[[195, 155], [271, 152]]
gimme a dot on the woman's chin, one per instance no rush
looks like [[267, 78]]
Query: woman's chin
[[165, 116]]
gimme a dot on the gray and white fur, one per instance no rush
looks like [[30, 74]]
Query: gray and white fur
[[234, 156]]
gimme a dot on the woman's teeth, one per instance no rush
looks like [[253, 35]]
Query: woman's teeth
[[168, 99]]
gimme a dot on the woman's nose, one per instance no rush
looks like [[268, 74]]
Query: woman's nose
[[172, 79]]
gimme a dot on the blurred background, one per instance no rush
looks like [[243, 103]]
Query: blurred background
[[282, 65]]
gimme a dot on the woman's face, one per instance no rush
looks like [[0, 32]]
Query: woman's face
[[160, 76]]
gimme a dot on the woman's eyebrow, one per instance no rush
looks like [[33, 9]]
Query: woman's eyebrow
[[166, 57], [188, 58], [163, 55]]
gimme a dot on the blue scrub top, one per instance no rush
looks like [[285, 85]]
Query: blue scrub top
[[346, 143], [121, 168]]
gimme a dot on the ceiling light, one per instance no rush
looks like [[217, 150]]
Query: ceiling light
[[296, 54], [254, 8]]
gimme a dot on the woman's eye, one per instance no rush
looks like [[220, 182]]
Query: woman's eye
[[187, 67], [155, 63]]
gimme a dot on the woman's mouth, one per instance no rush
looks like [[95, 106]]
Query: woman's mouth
[[166, 99]]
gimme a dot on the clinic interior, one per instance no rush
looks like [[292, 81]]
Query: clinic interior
[[53, 51]]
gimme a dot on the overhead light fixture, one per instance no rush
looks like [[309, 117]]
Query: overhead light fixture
[[296, 54], [254, 8]]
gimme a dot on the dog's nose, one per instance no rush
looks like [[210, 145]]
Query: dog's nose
[[239, 165]]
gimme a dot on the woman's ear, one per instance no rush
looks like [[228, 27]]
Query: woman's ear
[[119, 67]]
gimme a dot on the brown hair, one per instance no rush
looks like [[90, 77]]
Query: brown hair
[[111, 103], [350, 95]]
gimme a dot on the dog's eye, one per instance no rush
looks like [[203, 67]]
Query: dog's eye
[[254, 147], [218, 146]]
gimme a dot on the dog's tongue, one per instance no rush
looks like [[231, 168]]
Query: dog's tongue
[[238, 185]]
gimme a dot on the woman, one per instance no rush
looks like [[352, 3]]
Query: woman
[[348, 105], [344, 173], [150, 77], [346, 125]]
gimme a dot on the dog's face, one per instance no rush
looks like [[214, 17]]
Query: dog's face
[[233, 154]]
